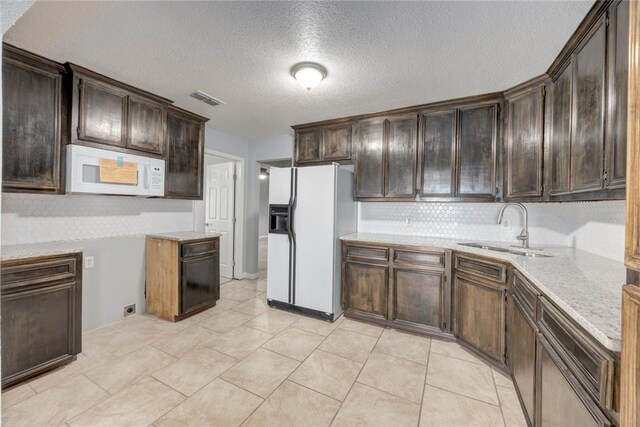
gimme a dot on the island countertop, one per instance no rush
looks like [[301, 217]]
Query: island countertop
[[587, 287], [184, 236]]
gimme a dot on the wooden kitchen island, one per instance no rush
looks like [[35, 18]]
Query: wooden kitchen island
[[182, 273]]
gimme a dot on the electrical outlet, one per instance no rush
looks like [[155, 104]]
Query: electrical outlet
[[407, 221], [506, 224], [129, 309], [88, 262]]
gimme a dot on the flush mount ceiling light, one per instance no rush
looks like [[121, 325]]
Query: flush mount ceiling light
[[308, 74]]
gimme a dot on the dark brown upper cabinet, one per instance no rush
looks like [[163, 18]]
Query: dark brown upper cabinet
[[477, 149], [458, 152], [385, 166], [322, 145], [33, 122], [309, 146], [524, 142], [587, 143], [370, 158], [146, 125], [184, 154], [560, 141], [101, 114], [617, 78], [587, 136], [112, 115], [400, 165], [437, 153], [336, 142]]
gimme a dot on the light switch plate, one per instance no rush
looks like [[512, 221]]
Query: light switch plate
[[88, 262]]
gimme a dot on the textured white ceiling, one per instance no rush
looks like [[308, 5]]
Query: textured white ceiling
[[380, 55], [10, 11]]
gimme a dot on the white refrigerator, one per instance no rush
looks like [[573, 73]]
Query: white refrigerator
[[309, 209]]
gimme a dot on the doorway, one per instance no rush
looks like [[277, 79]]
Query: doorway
[[263, 217], [221, 210]]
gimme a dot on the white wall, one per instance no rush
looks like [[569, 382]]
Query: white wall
[[263, 216], [596, 227], [11, 11]]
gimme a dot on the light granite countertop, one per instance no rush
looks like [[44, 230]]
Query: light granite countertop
[[586, 286], [35, 250], [183, 236]]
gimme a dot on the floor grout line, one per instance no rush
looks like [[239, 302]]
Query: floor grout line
[[495, 388], [351, 388], [463, 395], [424, 385]]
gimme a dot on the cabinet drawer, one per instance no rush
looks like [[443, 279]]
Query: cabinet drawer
[[592, 365], [192, 249], [525, 292], [422, 258], [486, 269], [18, 274], [368, 253]]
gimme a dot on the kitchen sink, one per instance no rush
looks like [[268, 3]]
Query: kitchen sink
[[516, 251]]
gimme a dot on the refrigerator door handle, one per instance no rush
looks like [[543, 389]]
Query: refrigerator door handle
[[292, 235]]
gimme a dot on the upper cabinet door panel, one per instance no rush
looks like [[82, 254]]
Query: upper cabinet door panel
[[369, 167], [587, 144], [438, 154], [31, 125], [146, 126], [337, 143], [309, 146], [477, 151], [401, 157], [184, 158], [524, 144], [560, 132], [618, 57], [102, 111]]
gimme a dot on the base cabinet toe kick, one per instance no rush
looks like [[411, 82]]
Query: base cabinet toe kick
[[562, 375]]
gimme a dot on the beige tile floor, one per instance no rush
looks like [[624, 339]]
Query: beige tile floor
[[243, 363]]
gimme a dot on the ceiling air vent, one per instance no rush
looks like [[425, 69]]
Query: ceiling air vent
[[207, 99]]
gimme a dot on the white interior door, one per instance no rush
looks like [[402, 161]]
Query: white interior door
[[219, 213]]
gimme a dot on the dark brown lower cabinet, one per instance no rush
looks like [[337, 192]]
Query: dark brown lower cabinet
[[41, 315], [183, 277], [418, 298], [405, 288], [561, 399], [522, 354], [480, 315], [562, 375], [196, 282], [367, 288]]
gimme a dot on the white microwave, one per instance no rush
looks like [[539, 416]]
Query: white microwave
[[96, 171]]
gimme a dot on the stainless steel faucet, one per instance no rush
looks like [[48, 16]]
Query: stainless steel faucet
[[524, 234]]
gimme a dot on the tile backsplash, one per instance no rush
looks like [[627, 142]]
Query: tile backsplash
[[32, 218], [596, 227]]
